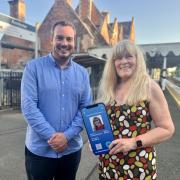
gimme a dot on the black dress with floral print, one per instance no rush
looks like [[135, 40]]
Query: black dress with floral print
[[127, 122]]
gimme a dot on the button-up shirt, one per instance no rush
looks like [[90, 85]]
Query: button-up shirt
[[51, 100]]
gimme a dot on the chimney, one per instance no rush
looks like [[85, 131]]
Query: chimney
[[17, 9], [106, 15], [85, 9], [67, 1]]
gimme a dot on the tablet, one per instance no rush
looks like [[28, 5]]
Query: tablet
[[98, 128]]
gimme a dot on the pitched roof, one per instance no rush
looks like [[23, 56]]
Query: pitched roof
[[96, 17], [61, 5], [97, 20], [92, 27], [126, 28], [94, 30], [94, 24]]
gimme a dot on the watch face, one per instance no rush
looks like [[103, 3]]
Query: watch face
[[139, 143]]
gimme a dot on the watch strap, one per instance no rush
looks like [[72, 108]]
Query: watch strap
[[138, 142]]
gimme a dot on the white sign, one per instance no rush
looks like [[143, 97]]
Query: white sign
[[15, 28]]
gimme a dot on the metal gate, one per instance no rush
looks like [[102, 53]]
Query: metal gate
[[10, 82]]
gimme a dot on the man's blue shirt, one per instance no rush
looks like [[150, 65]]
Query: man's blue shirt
[[51, 100]]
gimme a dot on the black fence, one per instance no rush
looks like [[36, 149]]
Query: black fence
[[10, 82]]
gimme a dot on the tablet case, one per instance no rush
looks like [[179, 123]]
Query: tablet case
[[98, 128]]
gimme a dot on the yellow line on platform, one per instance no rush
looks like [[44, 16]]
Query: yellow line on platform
[[173, 95]]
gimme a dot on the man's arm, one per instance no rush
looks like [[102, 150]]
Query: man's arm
[[60, 140], [29, 101], [77, 123]]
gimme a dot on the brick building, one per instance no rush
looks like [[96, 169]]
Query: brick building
[[15, 52], [94, 30], [93, 27]]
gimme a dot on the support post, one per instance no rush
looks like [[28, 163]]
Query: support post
[[37, 41], [164, 74]]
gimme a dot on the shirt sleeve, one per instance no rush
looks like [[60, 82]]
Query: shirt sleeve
[[77, 123], [29, 104]]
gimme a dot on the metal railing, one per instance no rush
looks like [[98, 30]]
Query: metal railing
[[10, 82]]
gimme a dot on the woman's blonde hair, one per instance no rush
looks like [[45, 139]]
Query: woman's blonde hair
[[139, 89]]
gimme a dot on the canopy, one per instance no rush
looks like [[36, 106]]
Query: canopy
[[87, 60], [155, 54]]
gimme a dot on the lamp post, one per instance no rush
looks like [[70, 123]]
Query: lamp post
[[1, 35], [1, 82]]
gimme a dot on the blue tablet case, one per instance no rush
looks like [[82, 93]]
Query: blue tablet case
[[98, 128]]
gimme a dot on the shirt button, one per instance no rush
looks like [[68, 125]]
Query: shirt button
[[63, 95], [62, 82], [63, 108]]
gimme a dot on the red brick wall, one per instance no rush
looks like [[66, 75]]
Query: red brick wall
[[16, 58]]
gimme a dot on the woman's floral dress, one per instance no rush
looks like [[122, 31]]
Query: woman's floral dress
[[126, 122]]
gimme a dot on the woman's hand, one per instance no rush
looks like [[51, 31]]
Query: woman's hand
[[123, 145]]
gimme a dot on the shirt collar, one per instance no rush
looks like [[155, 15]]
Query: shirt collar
[[54, 61]]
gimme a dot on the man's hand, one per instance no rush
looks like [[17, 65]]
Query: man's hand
[[58, 142]]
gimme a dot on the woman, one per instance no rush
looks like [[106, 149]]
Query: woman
[[132, 100], [98, 125]]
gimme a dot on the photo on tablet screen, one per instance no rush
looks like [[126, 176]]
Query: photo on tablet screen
[[96, 123]]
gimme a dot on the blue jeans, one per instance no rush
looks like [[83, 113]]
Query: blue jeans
[[43, 168]]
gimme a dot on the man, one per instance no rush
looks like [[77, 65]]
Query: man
[[54, 89]]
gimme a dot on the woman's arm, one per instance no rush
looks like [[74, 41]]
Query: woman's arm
[[164, 127], [159, 111]]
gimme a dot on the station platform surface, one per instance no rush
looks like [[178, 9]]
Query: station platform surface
[[12, 135]]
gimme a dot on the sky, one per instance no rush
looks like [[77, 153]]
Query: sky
[[156, 21]]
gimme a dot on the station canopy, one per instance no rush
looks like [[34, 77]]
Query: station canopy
[[88, 60], [155, 54]]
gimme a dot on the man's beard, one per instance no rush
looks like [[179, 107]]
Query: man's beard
[[60, 56]]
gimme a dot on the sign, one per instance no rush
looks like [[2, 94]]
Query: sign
[[13, 27]]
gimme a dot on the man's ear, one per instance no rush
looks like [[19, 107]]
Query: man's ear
[[51, 40], [75, 42]]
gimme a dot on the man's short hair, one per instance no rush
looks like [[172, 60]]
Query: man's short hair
[[63, 23]]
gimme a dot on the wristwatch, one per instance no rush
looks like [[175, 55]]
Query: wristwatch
[[138, 142]]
